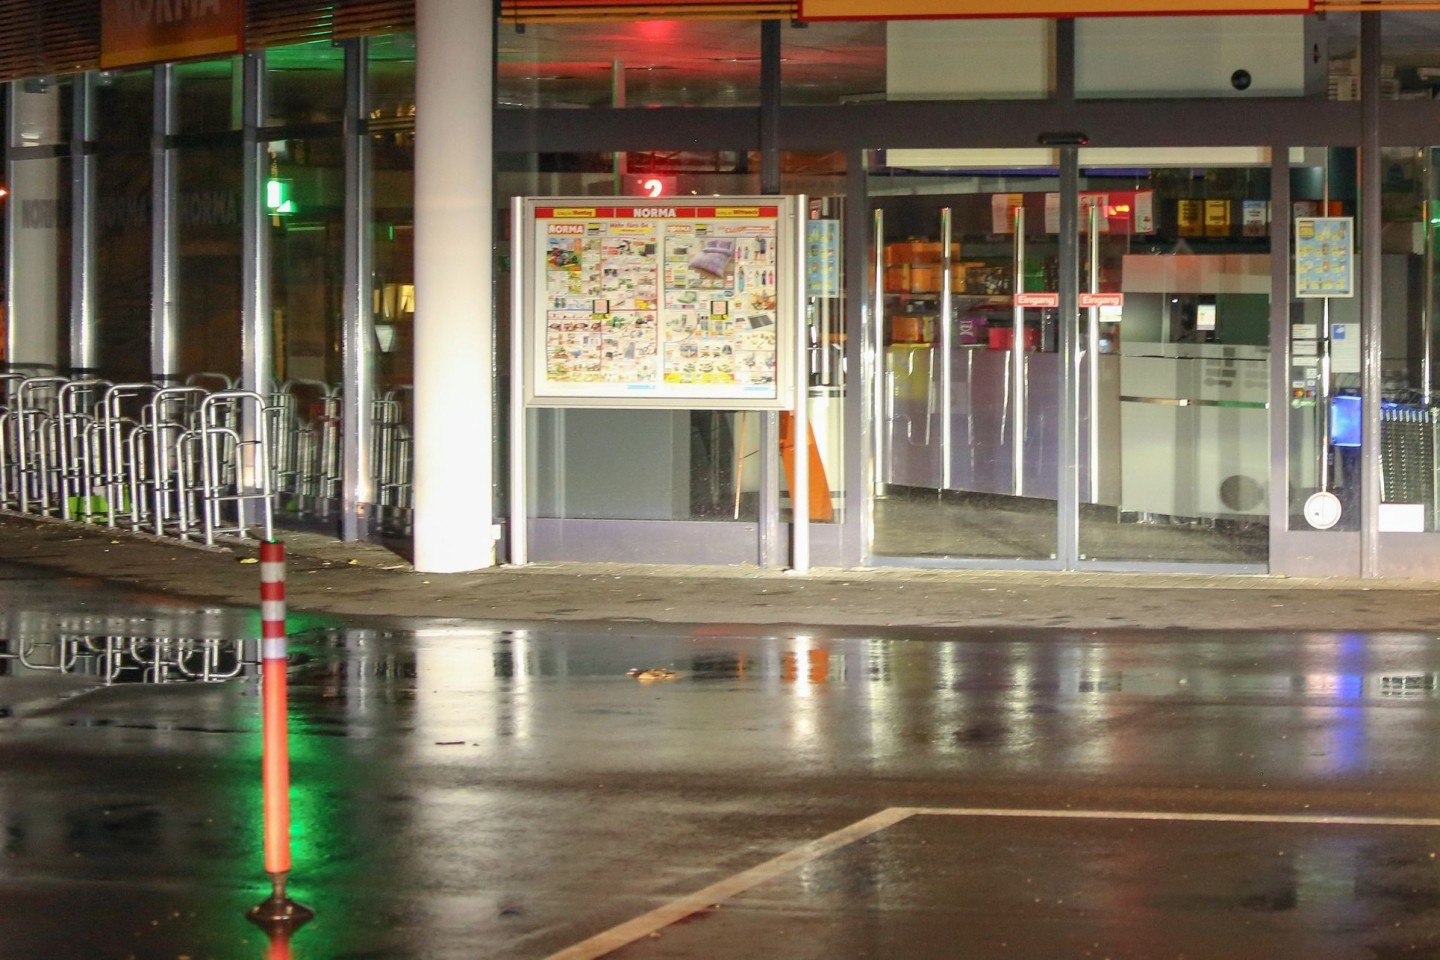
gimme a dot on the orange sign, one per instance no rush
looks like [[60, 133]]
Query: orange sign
[[151, 31], [908, 9]]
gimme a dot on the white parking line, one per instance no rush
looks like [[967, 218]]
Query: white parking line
[[661, 917], [1163, 816]]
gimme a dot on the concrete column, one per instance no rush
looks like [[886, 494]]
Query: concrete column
[[35, 214], [454, 292]]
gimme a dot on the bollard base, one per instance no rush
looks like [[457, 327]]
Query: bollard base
[[279, 912]]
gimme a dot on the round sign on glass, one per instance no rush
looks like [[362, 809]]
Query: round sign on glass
[[1322, 510]]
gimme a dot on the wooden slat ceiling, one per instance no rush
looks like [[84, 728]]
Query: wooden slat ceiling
[[39, 38]]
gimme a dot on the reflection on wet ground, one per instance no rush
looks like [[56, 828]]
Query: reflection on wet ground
[[128, 659], [464, 791]]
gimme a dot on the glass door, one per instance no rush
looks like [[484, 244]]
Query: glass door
[[966, 399], [1175, 361], [1166, 400]]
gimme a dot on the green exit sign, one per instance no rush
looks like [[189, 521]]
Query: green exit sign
[[277, 197]]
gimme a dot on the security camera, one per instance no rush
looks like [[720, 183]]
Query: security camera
[[1240, 79]]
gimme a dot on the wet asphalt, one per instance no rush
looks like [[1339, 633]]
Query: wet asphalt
[[500, 786]]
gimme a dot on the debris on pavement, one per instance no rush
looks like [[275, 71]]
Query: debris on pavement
[[652, 675]]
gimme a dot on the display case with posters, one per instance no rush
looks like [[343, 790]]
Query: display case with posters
[[681, 304]]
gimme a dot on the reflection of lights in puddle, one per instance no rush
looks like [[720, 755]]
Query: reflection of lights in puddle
[[466, 661], [130, 659]]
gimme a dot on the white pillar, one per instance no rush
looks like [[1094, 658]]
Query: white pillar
[[454, 240]]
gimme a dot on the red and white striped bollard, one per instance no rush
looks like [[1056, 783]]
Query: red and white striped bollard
[[277, 910]]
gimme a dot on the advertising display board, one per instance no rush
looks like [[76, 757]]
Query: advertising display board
[[653, 303]]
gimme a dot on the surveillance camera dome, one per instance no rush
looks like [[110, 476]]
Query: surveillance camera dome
[[1240, 79]]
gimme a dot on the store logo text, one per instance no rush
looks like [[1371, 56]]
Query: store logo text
[[166, 11]]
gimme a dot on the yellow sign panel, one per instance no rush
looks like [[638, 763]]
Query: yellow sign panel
[[901, 9], [582, 212], [146, 31], [737, 211], [1217, 218], [1189, 217]]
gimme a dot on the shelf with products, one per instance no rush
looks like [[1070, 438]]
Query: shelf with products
[[981, 285]]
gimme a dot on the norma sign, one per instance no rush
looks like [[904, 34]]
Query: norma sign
[[929, 9], [150, 31]]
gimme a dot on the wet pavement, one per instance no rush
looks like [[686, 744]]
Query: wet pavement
[[501, 787]]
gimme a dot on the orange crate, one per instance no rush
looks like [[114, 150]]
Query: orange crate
[[908, 328]]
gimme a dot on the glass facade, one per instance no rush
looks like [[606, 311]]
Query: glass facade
[[209, 255], [1409, 415], [1155, 443], [209, 96], [1326, 428], [391, 96], [832, 62], [648, 63], [305, 84], [124, 118]]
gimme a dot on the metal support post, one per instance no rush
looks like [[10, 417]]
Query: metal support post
[[358, 482]]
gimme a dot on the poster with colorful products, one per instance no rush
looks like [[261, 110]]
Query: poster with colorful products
[[682, 304], [1324, 256]]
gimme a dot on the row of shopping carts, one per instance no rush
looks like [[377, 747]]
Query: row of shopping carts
[[1408, 446], [195, 461]]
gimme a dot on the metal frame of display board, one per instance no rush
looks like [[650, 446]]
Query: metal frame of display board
[[588, 329]]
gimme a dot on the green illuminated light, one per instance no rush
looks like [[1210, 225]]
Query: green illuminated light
[[277, 197]]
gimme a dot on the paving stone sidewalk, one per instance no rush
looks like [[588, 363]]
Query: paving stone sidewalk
[[367, 579]]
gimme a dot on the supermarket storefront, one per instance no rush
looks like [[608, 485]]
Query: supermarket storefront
[[1221, 396]]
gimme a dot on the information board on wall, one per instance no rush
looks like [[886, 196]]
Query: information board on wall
[[1324, 256], [662, 304]]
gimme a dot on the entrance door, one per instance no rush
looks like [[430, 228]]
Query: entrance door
[[1168, 462], [968, 440]]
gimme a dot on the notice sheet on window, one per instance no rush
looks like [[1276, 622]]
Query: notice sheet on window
[[1324, 256]]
